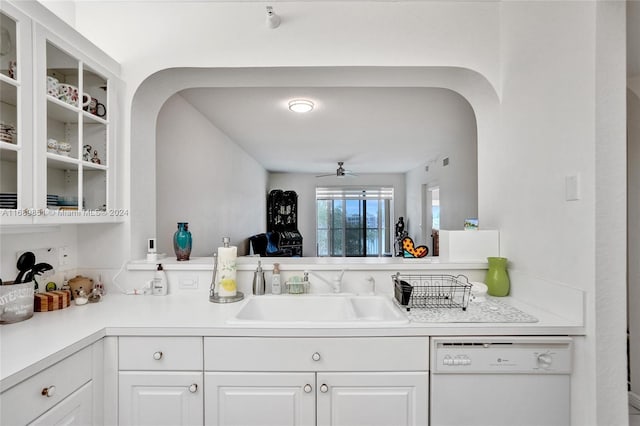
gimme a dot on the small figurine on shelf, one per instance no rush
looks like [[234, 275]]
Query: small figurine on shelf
[[95, 158], [409, 249], [86, 155], [401, 233]]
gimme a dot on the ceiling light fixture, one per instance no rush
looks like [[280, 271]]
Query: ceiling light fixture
[[300, 105]]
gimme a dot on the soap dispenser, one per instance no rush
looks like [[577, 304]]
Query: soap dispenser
[[276, 285], [258, 280], [159, 282]]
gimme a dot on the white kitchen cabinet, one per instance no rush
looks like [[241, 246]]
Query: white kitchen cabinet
[[260, 399], [60, 165], [16, 118], [74, 136], [64, 391], [160, 381], [323, 381], [74, 410], [155, 398], [373, 399]]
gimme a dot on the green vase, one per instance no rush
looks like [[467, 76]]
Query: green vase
[[497, 278]]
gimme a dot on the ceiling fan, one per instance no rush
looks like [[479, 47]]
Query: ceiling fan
[[340, 172]]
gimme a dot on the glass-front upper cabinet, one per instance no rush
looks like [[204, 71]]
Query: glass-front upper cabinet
[[74, 141], [16, 119]]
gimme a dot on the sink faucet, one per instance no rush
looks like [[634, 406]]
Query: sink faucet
[[372, 281], [336, 283]]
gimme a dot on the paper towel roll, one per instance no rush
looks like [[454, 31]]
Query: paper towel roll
[[227, 271]]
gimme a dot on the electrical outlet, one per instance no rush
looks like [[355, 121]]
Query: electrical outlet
[[63, 258], [188, 282]]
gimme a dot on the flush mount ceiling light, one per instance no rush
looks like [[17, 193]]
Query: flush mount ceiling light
[[300, 105]]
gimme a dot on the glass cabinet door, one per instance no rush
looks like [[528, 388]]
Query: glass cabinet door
[[15, 121], [77, 136]]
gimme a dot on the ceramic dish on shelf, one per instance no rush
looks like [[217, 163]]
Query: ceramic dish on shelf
[[7, 133], [68, 200]]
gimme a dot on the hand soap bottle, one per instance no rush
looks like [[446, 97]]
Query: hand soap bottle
[[159, 283], [276, 285]]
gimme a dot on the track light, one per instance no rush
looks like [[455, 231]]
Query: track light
[[273, 20]]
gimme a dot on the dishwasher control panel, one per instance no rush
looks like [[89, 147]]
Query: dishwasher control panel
[[525, 355]]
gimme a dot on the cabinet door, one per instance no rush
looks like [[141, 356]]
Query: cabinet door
[[160, 398], [76, 409], [74, 133], [389, 398], [16, 125], [252, 399]]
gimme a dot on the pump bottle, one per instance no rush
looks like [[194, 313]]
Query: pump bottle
[[276, 285], [159, 283]]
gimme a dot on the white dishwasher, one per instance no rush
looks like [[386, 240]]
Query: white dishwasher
[[500, 381]]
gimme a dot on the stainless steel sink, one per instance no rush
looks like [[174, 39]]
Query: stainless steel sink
[[319, 310]]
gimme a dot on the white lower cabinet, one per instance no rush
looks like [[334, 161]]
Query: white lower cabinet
[[160, 398], [63, 393], [160, 381], [74, 410], [372, 399], [316, 381], [260, 399]]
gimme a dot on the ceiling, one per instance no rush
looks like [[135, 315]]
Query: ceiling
[[371, 129]]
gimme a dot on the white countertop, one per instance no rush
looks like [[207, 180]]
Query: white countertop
[[29, 346]]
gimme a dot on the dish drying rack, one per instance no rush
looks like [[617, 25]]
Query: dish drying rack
[[431, 291]]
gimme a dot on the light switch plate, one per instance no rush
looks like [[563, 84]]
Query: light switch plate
[[572, 187]]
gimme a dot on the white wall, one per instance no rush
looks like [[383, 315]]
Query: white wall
[[548, 121], [305, 186], [547, 116], [633, 193], [458, 181], [233, 34], [65, 9], [205, 179]]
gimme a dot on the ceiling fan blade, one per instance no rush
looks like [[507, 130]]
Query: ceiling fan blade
[[340, 172]]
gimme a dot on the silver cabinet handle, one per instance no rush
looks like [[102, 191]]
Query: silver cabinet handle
[[324, 388], [193, 388], [315, 356], [307, 388], [49, 392], [157, 355]]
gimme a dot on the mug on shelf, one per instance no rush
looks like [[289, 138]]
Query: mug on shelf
[[86, 100], [52, 86], [64, 148], [68, 93], [52, 145], [13, 70], [96, 108], [7, 133]]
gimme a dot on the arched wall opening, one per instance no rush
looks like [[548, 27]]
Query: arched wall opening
[[158, 88]]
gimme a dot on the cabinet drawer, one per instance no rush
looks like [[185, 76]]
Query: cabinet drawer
[[160, 353], [316, 354], [32, 397]]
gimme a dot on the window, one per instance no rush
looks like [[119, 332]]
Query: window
[[354, 221]]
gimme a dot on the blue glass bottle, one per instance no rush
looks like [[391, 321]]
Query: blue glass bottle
[[182, 241]]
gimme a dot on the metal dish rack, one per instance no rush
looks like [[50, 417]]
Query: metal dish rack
[[431, 291]]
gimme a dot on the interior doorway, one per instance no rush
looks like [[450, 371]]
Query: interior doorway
[[431, 218]]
